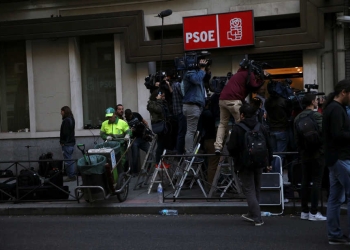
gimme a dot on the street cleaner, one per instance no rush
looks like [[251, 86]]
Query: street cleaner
[[115, 129]]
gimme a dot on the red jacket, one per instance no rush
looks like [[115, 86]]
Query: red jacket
[[236, 88]]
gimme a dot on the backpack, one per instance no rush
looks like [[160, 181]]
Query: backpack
[[255, 153], [45, 166], [28, 178], [308, 132]]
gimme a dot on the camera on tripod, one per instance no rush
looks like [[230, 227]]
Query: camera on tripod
[[191, 60]]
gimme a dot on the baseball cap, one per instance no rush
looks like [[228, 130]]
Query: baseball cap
[[110, 112]]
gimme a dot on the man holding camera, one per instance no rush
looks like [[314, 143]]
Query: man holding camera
[[138, 126], [232, 96], [194, 100]]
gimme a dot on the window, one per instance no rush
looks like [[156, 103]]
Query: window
[[98, 77], [14, 104]]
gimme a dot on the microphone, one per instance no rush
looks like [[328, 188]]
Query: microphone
[[165, 13]]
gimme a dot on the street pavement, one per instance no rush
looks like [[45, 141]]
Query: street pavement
[[142, 231]]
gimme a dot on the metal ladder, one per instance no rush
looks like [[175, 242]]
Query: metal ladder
[[147, 166], [228, 179], [159, 170], [188, 168]]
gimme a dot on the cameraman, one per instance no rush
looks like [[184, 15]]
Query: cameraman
[[138, 126], [177, 112], [194, 100], [232, 98]]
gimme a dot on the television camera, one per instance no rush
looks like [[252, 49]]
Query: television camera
[[254, 66], [217, 83], [141, 130], [191, 60], [150, 81], [284, 90]]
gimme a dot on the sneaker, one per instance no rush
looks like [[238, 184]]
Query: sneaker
[[217, 151], [257, 224], [68, 179], [317, 217], [247, 217], [304, 216], [344, 240], [196, 160]]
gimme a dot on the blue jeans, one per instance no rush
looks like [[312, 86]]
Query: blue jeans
[[339, 178], [279, 141], [69, 165], [138, 144], [192, 113], [181, 133]]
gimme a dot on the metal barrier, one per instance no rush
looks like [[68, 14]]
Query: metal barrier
[[11, 191], [226, 184]]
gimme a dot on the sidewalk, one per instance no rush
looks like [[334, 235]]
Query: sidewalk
[[190, 201]]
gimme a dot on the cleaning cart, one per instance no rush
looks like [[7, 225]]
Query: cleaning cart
[[102, 172]]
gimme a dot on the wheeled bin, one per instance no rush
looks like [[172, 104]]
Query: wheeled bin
[[94, 179]]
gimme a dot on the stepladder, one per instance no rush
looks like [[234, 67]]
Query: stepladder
[[190, 167], [147, 165], [225, 178], [161, 174]]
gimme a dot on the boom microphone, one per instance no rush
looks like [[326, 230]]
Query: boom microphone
[[165, 13]]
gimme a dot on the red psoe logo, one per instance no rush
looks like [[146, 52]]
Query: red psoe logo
[[219, 30]]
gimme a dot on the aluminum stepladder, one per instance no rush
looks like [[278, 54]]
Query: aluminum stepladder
[[159, 171], [188, 168], [228, 178], [271, 192], [147, 166]]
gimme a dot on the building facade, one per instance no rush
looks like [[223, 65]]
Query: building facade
[[94, 54]]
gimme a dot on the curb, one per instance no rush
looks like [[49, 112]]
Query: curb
[[117, 208]]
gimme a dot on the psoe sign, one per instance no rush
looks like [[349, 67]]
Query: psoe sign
[[219, 30]]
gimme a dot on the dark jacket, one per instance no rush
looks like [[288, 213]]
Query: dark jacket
[[279, 111], [336, 133], [235, 145], [236, 88], [67, 134], [305, 154], [158, 110]]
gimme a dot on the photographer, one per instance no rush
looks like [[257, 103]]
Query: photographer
[[194, 99], [232, 97], [159, 111], [138, 125], [180, 125], [279, 112]]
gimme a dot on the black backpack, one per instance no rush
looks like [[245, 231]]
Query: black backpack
[[28, 178], [45, 166], [255, 153], [308, 132]]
